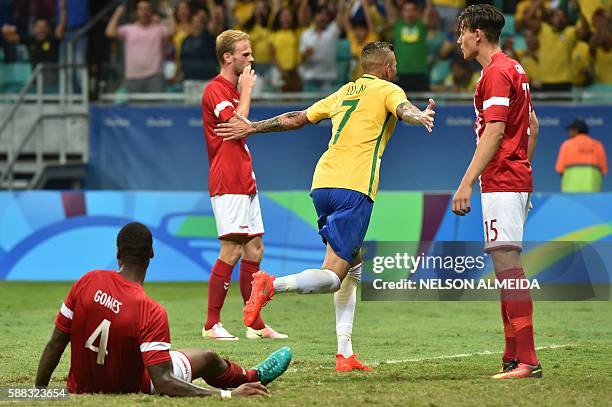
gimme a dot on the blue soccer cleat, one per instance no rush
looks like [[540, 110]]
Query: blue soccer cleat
[[274, 365]]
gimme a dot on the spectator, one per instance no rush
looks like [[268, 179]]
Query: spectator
[[242, 12], [43, 9], [448, 11], [581, 161], [285, 51], [526, 9], [43, 46], [375, 8], [460, 79], [258, 28], [198, 58], [410, 41], [318, 49], [77, 15], [358, 34], [183, 23], [601, 47], [437, 41], [6, 19], [557, 41], [530, 59], [143, 47]]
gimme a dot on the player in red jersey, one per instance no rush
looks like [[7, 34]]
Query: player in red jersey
[[120, 338], [231, 184], [506, 128]]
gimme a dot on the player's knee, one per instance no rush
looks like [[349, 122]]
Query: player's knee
[[254, 252], [212, 362], [230, 253]]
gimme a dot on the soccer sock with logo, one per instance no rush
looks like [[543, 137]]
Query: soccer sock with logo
[[344, 301], [247, 268], [308, 282], [218, 284], [510, 351], [234, 376], [519, 307]]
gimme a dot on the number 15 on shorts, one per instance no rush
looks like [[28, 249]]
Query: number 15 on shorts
[[491, 233]]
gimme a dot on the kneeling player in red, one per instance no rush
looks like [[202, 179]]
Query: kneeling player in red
[[506, 128], [120, 338]]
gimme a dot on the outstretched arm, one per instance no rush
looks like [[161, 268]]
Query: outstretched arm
[[244, 127], [51, 357], [411, 114], [167, 384]]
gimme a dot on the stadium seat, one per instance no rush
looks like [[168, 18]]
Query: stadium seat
[[598, 92], [14, 76], [22, 53], [439, 71], [343, 61], [508, 30], [519, 43]]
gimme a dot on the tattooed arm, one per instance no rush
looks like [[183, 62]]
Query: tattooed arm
[[411, 114], [243, 127]]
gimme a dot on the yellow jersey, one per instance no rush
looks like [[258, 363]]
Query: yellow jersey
[[363, 116]]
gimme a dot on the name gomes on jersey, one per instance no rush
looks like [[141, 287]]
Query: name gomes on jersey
[[107, 301]]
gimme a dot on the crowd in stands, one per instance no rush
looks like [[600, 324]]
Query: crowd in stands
[[307, 45]]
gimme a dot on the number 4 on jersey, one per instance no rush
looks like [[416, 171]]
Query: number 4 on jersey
[[102, 332]]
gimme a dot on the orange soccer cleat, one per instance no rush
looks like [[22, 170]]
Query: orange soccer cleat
[[348, 364], [262, 291], [521, 371]]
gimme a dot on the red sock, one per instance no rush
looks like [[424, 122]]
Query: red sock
[[218, 284], [233, 377], [510, 351], [247, 269], [519, 307]]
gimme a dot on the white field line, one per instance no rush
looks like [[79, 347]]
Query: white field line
[[465, 355], [440, 357]]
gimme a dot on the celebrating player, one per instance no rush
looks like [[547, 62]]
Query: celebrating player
[[363, 115], [120, 338], [506, 128], [232, 187]]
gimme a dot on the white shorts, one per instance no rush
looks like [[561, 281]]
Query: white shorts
[[504, 215], [237, 215], [181, 367]]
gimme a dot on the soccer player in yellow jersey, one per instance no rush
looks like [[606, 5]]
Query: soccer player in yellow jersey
[[363, 115]]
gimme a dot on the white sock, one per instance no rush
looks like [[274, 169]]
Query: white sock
[[308, 282], [344, 301]]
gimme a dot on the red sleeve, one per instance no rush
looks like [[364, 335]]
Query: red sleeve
[[154, 335], [63, 321], [496, 96], [220, 103]]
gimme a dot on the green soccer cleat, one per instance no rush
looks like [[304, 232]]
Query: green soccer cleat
[[274, 365]]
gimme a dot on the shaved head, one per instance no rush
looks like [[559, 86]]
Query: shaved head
[[376, 54]]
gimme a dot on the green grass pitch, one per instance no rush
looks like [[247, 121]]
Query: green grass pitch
[[424, 353]]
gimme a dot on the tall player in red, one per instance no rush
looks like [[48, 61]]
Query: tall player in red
[[120, 338], [231, 184], [506, 128]]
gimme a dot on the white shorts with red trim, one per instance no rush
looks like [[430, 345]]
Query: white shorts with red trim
[[181, 367], [504, 215], [237, 215]]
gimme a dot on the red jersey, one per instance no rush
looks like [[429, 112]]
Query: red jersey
[[116, 331], [230, 163], [502, 94]]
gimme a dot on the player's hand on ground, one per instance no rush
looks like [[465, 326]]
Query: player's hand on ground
[[427, 116], [462, 200], [247, 78], [251, 389], [236, 129]]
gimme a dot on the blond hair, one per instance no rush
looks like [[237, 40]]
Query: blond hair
[[226, 40]]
